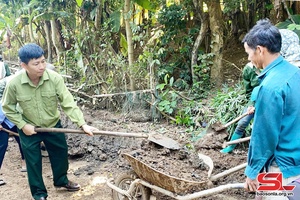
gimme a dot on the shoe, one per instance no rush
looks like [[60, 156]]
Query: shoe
[[2, 182], [44, 153], [23, 168], [71, 186], [42, 198], [228, 149]]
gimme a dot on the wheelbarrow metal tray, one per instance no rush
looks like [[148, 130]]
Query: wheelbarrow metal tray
[[161, 179]]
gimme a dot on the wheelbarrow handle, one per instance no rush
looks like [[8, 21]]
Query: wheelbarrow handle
[[228, 172]]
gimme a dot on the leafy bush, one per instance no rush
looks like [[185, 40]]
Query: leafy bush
[[177, 40], [168, 98], [289, 24], [228, 104]]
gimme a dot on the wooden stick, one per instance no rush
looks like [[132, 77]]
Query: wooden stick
[[231, 122], [110, 95], [227, 172], [236, 141], [11, 132], [110, 133], [123, 93], [235, 120]]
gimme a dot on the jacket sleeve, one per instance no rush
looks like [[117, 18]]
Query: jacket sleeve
[[67, 102]]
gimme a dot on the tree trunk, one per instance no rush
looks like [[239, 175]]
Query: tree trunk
[[216, 27], [30, 28], [56, 36], [201, 35], [296, 7], [55, 39], [129, 43], [251, 13], [48, 39], [275, 11], [98, 16]]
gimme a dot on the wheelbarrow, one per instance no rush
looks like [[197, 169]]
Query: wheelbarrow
[[139, 183]]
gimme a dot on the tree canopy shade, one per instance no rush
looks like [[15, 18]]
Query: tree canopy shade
[[135, 44]]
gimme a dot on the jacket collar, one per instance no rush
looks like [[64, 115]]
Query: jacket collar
[[25, 79], [270, 67]]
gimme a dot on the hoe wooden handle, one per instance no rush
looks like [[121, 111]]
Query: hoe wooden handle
[[110, 133], [10, 132], [236, 141], [235, 120]]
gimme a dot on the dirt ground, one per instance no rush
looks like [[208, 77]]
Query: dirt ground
[[93, 160]]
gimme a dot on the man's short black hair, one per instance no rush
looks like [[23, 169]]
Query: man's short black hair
[[30, 51], [265, 34]]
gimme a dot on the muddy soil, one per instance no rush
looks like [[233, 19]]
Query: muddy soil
[[93, 160]]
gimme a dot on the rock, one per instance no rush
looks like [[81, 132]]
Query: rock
[[103, 157]]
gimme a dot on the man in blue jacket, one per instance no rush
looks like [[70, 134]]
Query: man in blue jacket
[[275, 143]]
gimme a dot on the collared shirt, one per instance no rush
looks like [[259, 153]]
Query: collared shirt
[[25, 103], [276, 132]]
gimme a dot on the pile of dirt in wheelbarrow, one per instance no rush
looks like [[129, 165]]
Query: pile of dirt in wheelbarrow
[[182, 163]]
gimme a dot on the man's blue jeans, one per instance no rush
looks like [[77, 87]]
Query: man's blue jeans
[[243, 123]]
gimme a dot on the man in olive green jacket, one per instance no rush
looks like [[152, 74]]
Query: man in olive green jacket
[[31, 100]]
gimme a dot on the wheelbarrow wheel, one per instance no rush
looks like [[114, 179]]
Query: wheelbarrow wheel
[[123, 182]]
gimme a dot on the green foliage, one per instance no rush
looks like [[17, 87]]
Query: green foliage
[[183, 118], [79, 2], [114, 21], [202, 72], [168, 98], [172, 17], [228, 104], [289, 24], [232, 5], [187, 113], [191, 114], [146, 4], [176, 41], [123, 45]]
